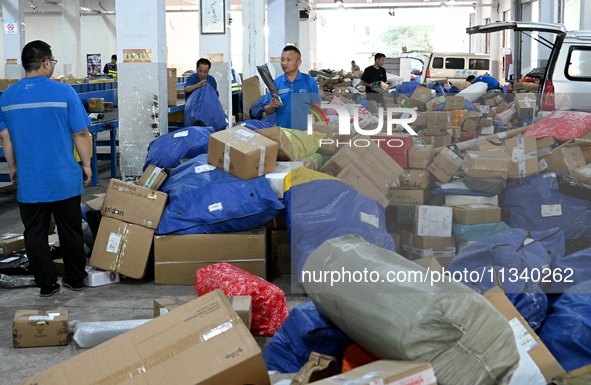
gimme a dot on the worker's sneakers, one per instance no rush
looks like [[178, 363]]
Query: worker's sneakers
[[48, 291], [76, 286]]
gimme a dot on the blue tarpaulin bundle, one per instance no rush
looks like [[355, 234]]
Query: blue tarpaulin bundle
[[536, 203], [271, 119], [567, 330], [258, 108], [203, 108], [326, 209], [254, 124], [168, 150], [571, 270], [468, 105], [304, 331], [205, 200], [503, 259]]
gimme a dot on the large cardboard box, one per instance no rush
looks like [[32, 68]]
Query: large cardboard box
[[524, 104], [276, 134], [356, 178], [525, 336], [40, 328], [420, 156], [486, 164], [470, 121], [374, 163], [582, 173], [333, 139], [454, 103], [165, 305], [475, 214], [122, 247], [436, 138], [545, 142], [439, 120], [11, 242], [395, 145], [445, 165], [279, 252], [407, 197], [492, 145], [524, 156], [242, 153], [134, 204], [385, 372], [153, 178], [415, 246], [433, 221], [202, 342], [171, 86], [565, 159], [414, 180], [178, 257], [251, 92], [420, 97]]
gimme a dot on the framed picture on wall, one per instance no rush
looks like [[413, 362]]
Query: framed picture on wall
[[213, 16]]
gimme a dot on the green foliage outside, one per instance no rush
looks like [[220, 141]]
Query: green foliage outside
[[413, 37]]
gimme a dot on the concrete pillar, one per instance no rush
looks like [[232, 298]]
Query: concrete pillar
[[495, 43], [478, 38], [253, 37], [13, 14], [585, 22], [72, 52], [141, 77], [283, 20], [314, 22], [304, 45], [548, 14], [218, 46], [526, 42]]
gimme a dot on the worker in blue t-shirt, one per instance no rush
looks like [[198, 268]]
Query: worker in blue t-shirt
[[295, 89], [201, 78], [489, 80], [38, 119]]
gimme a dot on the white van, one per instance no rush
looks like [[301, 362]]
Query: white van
[[455, 66]]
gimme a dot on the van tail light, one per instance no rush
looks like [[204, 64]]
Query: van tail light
[[428, 73], [548, 96]]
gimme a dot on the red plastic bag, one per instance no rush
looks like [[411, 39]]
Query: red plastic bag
[[562, 125], [269, 308], [356, 356]]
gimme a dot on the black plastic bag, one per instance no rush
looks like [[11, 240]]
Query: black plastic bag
[[574, 188], [16, 263], [490, 185]]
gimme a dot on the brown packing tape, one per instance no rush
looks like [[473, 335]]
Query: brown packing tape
[[139, 368]]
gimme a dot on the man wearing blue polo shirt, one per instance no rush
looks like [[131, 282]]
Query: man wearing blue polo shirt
[[292, 114], [200, 79], [40, 122], [489, 80]]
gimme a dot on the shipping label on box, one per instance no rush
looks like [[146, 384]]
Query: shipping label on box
[[433, 221], [40, 328], [414, 180], [122, 247], [11, 242], [407, 197], [486, 164], [475, 214], [242, 153], [524, 157], [153, 178], [420, 156], [445, 165], [134, 204]]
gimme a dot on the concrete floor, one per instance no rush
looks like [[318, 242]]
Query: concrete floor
[[128, 300]]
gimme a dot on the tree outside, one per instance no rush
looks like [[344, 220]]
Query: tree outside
[[413, 37]]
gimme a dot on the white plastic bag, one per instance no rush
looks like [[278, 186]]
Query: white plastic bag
[[91, 334]]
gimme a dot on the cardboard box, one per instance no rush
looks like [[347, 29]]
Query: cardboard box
[[433, 221], [545, 142], [395, 145], [524, 156], [134, 204], [171, 86], [122, 247], [579, 376], [434, 103], [11, 242], [252, 155], [440, 140], [32, 328], [438, 120], [277, 223], [276, 134], [486, 164], [201, 343], [445, 165], [485, 122], [98, 277], [153, 178], [373, 162], [524, 104], [356, 179], [502, 107], [178, 257], [454, 103], [420, 97], [470, 121], [485, 131], [492, 145], [414, 180], [242, 305], [475, 214], [582, 173], [279, 252], [108, 106], [420, 156], [458, 200], [421, 119], [333, 140], [385, 372], [398, 197], [403, 101], [565, 159], [415, 246], [548, 365], [379, 86], [58, 264], [457, 116], [251, 92]]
